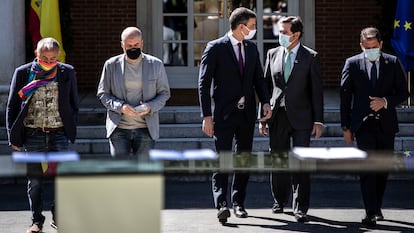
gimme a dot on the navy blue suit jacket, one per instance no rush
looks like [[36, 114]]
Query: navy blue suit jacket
[[219, 67], [68, 102], [356, 89]]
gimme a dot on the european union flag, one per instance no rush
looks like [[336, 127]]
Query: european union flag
[[403, 38]]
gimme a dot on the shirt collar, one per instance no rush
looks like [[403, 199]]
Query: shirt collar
[[294, 50], [233, 40]]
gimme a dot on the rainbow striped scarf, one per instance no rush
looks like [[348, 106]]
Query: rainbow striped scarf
[[41, 73]]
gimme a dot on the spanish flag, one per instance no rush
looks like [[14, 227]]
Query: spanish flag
[[44, 21]]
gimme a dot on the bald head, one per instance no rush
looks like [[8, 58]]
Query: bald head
[[130, 32]]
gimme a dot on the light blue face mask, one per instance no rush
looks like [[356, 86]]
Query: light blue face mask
[[372, 54], [284, 40]]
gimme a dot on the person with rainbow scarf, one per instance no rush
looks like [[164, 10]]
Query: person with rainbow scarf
[[41, 116]]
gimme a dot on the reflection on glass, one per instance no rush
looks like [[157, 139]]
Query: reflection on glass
[[251, 4], [174, 30], [173, 54], [206, 6], [273, 12], [175, 6], [206, 28]]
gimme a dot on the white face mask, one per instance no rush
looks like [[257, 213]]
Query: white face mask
[[284, 40], [250, 35], [372, 54]]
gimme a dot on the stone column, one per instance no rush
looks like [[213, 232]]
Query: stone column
[[12, 41]]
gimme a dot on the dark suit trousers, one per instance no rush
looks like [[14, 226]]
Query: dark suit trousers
[[370, 137], [235, 127], [281, 133]]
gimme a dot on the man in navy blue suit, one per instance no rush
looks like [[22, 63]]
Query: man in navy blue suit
[[373, 83], [230, 66]]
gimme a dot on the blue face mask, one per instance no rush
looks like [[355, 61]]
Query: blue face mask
[[372, 54], [284, 40]]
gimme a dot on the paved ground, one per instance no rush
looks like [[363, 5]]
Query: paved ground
[[335, 207]]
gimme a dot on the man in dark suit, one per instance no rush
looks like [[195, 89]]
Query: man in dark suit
[[297, 103], [230, 66], [372, 85]]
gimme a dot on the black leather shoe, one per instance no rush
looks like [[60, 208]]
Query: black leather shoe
[[369, 221], [379, 216], [223, 214], [277, 208], [240, 212], [301, 217]]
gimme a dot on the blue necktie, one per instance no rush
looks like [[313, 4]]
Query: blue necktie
[[374, 75], [240, 59], [287, 68]]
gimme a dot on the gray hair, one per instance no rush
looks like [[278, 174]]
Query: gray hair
[[130, 32], [47, 44]]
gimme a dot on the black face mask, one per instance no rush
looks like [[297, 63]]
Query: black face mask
[[133, 53]]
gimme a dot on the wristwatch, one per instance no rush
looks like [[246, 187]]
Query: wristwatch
[[344, 128]]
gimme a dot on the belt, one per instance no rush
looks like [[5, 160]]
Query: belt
[[374, 116], [49, 130]]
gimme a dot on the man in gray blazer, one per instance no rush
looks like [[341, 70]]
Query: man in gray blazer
[[133, 88], [297, 103]]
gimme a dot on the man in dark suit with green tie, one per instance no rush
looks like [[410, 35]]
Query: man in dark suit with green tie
[[293, 72]]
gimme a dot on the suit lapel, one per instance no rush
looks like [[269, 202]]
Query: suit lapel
[[248, 55], [278, 63], [298, 59], [120, 75], [145, 75], [382, 66], [363, 67], [230, 50]]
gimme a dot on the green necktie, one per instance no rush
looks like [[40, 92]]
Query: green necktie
[[287, 67]]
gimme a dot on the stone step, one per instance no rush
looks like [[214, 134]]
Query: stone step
[[191, 114]]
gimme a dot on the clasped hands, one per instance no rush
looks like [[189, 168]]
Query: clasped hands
[[376, 104], [130, 111]]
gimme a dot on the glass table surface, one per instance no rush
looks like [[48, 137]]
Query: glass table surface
[[316, 160]]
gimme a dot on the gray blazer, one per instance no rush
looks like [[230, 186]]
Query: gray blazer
[[112, 93]]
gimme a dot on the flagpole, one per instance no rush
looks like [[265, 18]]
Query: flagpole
[[409, 91], [409, 88]]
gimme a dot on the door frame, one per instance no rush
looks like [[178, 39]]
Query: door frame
[[186, 77]]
